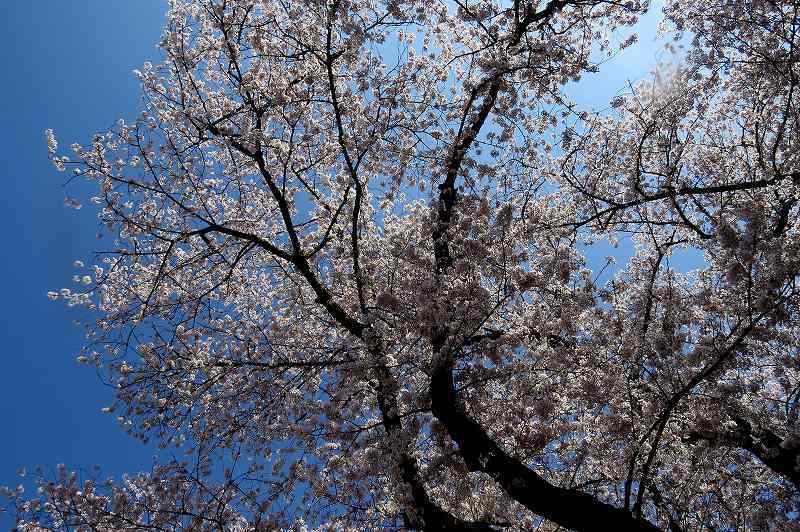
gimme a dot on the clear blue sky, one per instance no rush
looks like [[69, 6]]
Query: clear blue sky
[[67, 66]]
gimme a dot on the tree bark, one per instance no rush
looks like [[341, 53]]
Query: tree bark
[[567, 507]]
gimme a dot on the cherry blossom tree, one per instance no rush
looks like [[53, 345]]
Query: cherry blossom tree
[[349, 285]]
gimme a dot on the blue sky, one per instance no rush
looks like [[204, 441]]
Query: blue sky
[[68, 67]]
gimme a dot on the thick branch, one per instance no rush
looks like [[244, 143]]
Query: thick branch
[[567, 507], [468, 131], [778, 454], [426, 515]]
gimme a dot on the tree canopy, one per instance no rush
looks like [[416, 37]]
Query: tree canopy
[[350, 288]]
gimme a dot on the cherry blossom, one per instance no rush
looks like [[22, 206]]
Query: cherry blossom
[[351, 281]]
